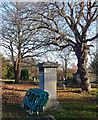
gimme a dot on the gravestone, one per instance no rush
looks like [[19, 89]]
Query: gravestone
[[48, 81]]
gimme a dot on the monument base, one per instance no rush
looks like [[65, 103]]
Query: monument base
[[52, 104]]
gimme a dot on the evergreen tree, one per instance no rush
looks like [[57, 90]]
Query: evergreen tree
[[94, 66], [24, 74]]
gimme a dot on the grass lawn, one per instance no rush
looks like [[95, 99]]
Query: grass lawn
[[7, 80], [74, 104]]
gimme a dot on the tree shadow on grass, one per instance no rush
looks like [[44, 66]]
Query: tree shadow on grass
[[76, 91], [18, 113], [88, 105], [13, 111]]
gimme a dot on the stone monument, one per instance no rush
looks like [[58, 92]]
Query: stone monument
[[48, 82]]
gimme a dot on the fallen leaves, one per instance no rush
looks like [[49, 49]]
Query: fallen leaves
[[73, 102], [14, 93]]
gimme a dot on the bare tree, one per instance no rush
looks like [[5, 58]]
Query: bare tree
[[19, 36], [30, 64], [69, 24], [64, 55]]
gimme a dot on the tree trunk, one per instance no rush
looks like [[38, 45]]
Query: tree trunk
[[65, 68], [82, 53], [17, 72], [16, 77]]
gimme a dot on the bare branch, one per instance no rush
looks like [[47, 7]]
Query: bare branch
[[93, 38]]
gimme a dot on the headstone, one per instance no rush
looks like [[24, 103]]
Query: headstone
[[34, 78], [64, 87], [48, 81]]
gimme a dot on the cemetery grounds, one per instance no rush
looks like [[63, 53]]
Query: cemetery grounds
[[73, 103]]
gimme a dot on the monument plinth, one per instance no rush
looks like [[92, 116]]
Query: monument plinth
[[48, 81]]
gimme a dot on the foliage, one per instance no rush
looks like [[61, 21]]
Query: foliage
[[4, 72], [93, 69], [10, 72], [30, 64], [69, 74], [4, 68], [24, 74], [7, 69], [59, 74], [76, 79], [94, 65]]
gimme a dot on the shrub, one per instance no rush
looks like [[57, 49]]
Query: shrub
[[24, 74], [10, 72]]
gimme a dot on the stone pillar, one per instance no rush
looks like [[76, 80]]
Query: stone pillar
[[48, 82], [48, 78]]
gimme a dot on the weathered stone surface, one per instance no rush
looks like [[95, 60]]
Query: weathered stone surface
[[48, 82], [48, 65], [48, 78], [52, 105]]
